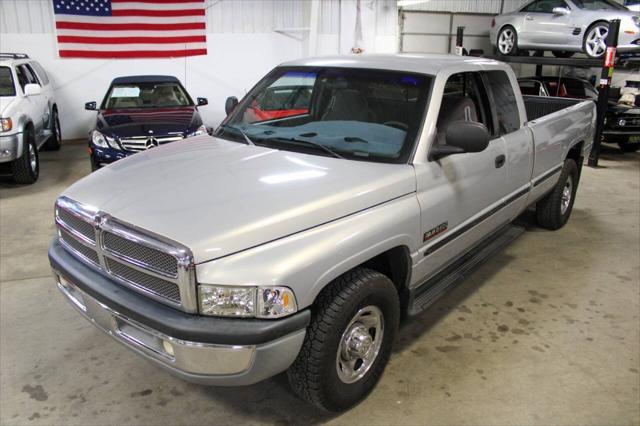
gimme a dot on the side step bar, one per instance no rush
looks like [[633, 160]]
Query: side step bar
[[434, 288]]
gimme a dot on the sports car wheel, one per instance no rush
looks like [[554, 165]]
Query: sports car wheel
[[508, 41], [595, 40]]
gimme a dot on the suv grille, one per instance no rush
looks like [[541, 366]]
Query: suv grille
[[156, 267]]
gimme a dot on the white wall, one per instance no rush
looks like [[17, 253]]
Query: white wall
[[245, 39]]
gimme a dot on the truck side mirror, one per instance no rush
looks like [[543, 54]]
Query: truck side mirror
[[203, 101], [230, 104], [461, 137], [90, 106], [560, 11]]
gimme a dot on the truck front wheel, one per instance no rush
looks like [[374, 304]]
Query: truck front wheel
[[554, 209], [348, 342]]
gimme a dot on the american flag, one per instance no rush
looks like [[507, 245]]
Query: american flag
[[130, 29]]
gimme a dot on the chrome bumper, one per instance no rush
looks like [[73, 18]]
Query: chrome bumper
[[10, 147], [225, 365]]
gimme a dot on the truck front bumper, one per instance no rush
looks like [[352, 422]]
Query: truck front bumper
[[206, 350]]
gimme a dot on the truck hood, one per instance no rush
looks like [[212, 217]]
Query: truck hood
[[5, 105], [219, 197]]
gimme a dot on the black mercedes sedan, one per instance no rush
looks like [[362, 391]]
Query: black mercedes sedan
[[140, 113]]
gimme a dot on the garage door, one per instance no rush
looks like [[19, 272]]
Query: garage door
[[435, 32]]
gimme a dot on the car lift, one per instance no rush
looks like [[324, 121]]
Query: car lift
[[607, 64]]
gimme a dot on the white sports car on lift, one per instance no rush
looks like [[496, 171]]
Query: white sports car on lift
[[565, 27]]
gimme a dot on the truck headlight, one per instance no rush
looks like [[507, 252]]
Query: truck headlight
[[202, 130], [259, 302], [6, 123], [103, 141]]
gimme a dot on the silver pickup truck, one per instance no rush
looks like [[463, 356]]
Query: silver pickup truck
[[338, 196]]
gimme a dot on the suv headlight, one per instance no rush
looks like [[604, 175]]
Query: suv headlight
[[202, 130], [103, 141], [6, 123], [259, 302]]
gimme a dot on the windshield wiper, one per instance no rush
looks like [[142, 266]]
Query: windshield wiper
[[237, 129], [308, 143]]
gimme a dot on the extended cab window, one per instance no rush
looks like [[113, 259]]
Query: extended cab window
[[6, 82], [360, 114], [504, 102], [464, 99]]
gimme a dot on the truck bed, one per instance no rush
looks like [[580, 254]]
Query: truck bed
[[539, 106]]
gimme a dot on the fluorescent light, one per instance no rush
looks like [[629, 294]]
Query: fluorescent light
[[404, 3]]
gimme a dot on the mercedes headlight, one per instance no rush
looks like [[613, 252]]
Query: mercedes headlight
[[258, 302], [103, 141], [202, 130]]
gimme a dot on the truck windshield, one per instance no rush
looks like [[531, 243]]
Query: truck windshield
[[146, 95], [6, 82], [351, 113]]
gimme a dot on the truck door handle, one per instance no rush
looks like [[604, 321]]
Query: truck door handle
[[529, 18], [500, 160]]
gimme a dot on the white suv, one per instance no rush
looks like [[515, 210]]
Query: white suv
[[28, 116]]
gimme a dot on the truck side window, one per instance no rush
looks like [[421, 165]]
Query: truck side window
[[504, 102], [464, 99]]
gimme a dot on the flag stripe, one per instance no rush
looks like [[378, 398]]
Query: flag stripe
[[157, 20], [147, 12], [132, 46], [60, 25], [130, 40], [131, 53], [83, 33], [155, 6], [157, 1]]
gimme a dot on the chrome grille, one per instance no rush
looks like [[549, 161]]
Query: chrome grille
[[74, 222], [71, 242], [160, 287], [139, 254], [159, 268], [142, 143]]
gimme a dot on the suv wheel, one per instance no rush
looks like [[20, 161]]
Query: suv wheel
[[27, 168], [554, 209], [348, 341], [55, 140]]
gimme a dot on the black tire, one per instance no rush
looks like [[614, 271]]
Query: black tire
[[55, 140], [514, 50], [550, 211], [562, 54], [627, 146], [314, 374], [586, 34], [21, 168]]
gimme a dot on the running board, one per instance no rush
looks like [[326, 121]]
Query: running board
[[426, 294]]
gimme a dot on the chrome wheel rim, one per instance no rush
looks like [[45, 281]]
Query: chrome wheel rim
[[360, 344], [33, 161], [506, 41], [567, 192], [596, 43]]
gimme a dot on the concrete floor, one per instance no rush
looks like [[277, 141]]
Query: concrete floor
[[547, 332]]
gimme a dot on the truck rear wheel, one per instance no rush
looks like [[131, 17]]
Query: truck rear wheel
[[554, 209], [348, 341]]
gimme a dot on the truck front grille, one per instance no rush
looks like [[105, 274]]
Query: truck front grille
[[158, 286], [73, 244], [145, 256], [152, 265], [142, 143]]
